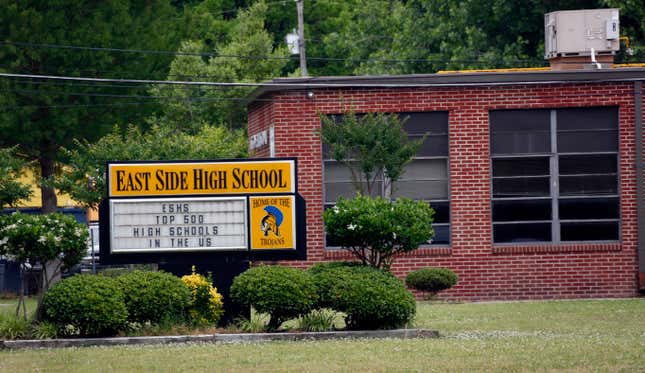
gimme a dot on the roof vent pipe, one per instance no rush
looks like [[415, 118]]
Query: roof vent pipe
[[593, 59]]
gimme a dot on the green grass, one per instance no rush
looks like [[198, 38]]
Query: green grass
[[8, 307], [578, 336]]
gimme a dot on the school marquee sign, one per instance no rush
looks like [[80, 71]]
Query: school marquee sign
[[157, 209]]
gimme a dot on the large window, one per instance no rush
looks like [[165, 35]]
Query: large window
[[555, 175], [425, 178]]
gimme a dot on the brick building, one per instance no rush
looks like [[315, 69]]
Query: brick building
[[535, 176]]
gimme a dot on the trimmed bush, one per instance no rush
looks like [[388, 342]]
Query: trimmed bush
[[371, 298], [282, 292], [91, 305], [154, 296], [431, 279], [206, 304]]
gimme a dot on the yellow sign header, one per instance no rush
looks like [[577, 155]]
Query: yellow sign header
[[164, 179]]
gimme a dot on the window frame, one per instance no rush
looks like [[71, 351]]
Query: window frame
[[555, 195], [385, 183]]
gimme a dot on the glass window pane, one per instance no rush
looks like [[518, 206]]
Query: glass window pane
[[441, 212], [520, 120], [521, 187], [433, 146], [589, 231], [521, 167], [587, 141], [520, 143], [346, 190], [520, 131], [426, 169], [441, 235], [589, 208], [594, 118], [588, 164], [592, 185], [539, 209], [421, 189], [528, 232], [433, 122]]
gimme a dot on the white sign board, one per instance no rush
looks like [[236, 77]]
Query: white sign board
[[178, 224]]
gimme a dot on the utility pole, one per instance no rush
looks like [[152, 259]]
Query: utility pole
[[301, 39]]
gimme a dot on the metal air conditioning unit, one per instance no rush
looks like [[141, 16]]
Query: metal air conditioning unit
[[572, 33]]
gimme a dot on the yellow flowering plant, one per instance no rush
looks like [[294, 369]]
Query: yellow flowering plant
[[207, 306]]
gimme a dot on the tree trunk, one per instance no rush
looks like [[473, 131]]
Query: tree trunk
[[47, 170]]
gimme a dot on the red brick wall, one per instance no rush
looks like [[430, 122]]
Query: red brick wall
[[486, 271]]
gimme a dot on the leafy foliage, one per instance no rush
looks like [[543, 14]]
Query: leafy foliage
[[432, 280], [372, 146], [375, 230], [87, 161], [43, 239], [206, 305], [154, 296], [43, 116], [92, 305], [248, 55], [370, 298], [13, 327], [11, 168], [282, 292], [320, 320]]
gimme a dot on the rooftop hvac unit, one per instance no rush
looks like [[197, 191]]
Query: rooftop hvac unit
[[577, 32]]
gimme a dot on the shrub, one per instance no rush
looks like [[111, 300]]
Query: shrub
[[92, 305], [206, 305], [282, 292], [154, 296], [370, 298], [432, 280], [325, 277], [375, 230]]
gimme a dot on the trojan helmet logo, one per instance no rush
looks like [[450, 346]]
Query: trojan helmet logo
[[271, 222]]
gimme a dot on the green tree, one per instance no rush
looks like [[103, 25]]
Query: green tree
[[373, 146], [54, 241], [415, 36], [12, 189], [42, 116], [84, 177], [246, 54]]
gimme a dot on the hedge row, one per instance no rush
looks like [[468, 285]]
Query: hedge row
[[91, 305], [370, 298]]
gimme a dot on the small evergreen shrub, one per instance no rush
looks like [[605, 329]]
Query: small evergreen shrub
[[325, 277], [282, 292], [431, 279], [154, 296], [206, 305], [376, 230], [87, 304], [370, 298]]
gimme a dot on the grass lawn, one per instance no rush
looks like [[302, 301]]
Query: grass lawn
[[587, 335], [8, 307]]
